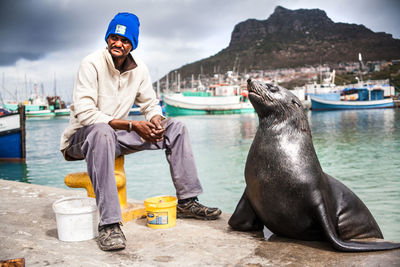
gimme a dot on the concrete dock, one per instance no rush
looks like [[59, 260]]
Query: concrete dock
[[29, 230]]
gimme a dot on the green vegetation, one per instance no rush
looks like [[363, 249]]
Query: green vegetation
[[391, 72], [346, 78]]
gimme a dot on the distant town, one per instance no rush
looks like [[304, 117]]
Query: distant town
[[290, 78]]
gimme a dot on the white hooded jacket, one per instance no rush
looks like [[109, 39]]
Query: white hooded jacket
[[102, 93]]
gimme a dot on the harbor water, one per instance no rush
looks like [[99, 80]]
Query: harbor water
[[361, 148]]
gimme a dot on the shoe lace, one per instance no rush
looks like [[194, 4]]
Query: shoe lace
[[197, 204], [116, 230], [112, 230], [199, 208]]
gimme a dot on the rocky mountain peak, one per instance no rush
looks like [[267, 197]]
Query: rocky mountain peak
[[284, 23], [292, 38]]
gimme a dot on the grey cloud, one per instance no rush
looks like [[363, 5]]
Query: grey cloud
[[196, 19], [7, 58], [31, 29]]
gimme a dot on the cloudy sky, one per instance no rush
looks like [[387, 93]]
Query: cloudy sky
[[46, 39]]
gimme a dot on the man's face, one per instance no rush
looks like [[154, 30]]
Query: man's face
[[118, 46]]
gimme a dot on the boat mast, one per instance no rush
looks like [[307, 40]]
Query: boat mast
[[361, 65], [179, 82], [158, 88], [361, 78], [167, 83], [55, 84], [26, 88]]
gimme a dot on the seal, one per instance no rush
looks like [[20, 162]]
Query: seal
[[286, 188]]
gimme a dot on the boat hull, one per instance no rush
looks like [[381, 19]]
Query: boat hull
[[40, 114], [10, 146], [321, 104], [12, 137], [179, 105], [177, 111], [62, 112]]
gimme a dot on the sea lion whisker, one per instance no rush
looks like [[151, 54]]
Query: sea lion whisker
[[268, 96]]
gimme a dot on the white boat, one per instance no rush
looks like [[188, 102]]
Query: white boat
[[354, 98], [40, 106], [222, 99]]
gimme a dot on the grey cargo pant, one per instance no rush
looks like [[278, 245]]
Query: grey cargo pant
[[99, 144]]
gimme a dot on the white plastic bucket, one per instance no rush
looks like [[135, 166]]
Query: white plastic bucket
[[77, 218]]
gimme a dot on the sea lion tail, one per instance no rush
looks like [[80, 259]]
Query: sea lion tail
[[348, 246]]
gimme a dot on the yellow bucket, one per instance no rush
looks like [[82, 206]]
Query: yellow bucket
[[161, 211]]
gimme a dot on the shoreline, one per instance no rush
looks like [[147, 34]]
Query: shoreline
[[29, 230]]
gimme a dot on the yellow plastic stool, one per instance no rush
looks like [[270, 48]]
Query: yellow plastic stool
[[129, 211]]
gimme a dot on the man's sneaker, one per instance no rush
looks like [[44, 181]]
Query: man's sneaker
[[193, 209], [111, 237]]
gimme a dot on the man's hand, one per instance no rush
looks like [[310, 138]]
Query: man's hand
[[144, 130], [158, 130], [150, 131]]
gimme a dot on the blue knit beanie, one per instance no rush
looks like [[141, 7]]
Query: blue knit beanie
[[126, 25]]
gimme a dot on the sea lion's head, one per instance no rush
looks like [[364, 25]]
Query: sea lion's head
[[276, 103]]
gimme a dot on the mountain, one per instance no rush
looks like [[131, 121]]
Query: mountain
[[292, 38]]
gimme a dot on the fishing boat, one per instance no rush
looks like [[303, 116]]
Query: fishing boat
[[57, 106], [12, 135], [320, 104], [39, 107], [354, 98], [33, 109], [218, 99], [363, 95]]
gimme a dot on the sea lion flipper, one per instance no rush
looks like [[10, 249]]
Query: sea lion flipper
[[244, 218], [349, 246]]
